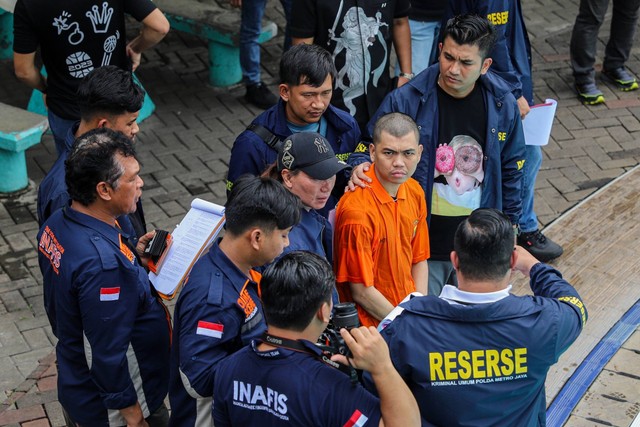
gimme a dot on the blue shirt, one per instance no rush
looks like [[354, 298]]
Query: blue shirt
[[489, 358], [288, 388], [113, 334], [217, 313]]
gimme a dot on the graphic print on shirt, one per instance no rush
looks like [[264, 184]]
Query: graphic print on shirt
[[109, 46], [100, 19], [80, 64], [257, 398], [359, 33], [75, 36], [460, 163]]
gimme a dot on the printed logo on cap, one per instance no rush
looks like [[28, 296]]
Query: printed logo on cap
[[320, 144]]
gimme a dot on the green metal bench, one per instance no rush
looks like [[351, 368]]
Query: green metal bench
[[220, 27], [19, 130]]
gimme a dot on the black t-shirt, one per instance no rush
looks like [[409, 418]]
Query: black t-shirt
[[75, 36], [460, 161], [358, 33]]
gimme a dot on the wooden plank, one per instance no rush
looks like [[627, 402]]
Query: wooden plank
[[600, 237]]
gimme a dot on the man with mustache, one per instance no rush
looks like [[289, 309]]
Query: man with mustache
[[381, 242], [113, 331]]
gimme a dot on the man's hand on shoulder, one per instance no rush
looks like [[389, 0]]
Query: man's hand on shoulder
[[358, 177]]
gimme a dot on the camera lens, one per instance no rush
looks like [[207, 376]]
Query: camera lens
[[345, 315]]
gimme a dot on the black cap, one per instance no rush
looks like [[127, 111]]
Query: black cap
[[311, 153]]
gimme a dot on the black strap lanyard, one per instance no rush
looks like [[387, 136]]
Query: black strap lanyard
[[296, 345]]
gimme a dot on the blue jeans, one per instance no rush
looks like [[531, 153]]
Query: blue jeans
[[252, 13], [59, 128], [532, 163], [424, 38]]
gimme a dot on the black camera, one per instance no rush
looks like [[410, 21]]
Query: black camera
[[345, 315]]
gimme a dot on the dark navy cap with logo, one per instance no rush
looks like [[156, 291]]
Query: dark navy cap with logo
[[311, 153]]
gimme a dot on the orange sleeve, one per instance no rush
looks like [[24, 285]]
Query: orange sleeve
[[420, 244], [353, 260]]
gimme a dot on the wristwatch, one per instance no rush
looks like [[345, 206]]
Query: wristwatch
[[407, 76]]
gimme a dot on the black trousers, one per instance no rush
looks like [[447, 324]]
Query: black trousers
[[585, 36]]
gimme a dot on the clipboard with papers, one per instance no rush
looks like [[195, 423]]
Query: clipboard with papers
[[191, 238]]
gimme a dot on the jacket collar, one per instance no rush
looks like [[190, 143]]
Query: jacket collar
[[228, 268], [282, 130], [111, 233], [425, 82]]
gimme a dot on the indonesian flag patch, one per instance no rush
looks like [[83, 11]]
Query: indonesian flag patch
[[210, 329], [358, 419], [109, 294]]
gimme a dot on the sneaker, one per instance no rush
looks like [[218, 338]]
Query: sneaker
[[589, 93], [621, 78], [540, 246], [260, 96]]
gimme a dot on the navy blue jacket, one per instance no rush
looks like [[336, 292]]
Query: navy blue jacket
[[113, 334], [512, 52], [217, 313], [250, 154], [288, 388], [504, 149], [485, 364]]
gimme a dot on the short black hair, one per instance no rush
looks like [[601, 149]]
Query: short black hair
[[260, 202], [307, 64], [294, 287], [484, 242], [93, 160], [395, 124], [473, 30], [109, 90]]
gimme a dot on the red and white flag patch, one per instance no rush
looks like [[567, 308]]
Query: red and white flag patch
[[109, 294], [210, 329], [358, 419]]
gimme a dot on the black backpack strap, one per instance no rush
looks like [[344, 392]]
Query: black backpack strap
[[266, 135]]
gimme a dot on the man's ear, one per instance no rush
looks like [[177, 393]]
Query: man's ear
[[372, 152], [284, 91], [454, 259], [256, 237], [104, 190], [485, 65], [103, 123], [324, 312], [514, 258]]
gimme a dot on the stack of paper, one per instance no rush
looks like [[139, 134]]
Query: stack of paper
[[191, 238], [537, 124]]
